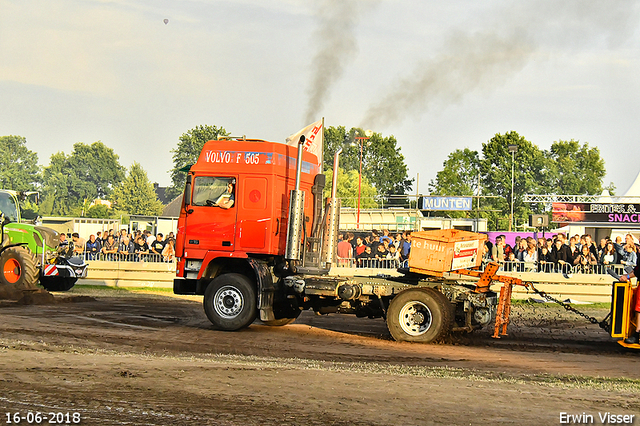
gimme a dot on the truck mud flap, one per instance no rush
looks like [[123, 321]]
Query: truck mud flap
[[266, 289]]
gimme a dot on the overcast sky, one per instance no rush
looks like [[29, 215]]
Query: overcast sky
[[439, 75]]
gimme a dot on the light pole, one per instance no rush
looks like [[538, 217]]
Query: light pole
[[513, 148], [361, 139]]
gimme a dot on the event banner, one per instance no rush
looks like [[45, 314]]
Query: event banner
[[445, 203], [596, 213]]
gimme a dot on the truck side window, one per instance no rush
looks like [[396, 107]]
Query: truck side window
[[214, 191]]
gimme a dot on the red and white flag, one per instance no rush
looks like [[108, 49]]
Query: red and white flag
[[313, 139]]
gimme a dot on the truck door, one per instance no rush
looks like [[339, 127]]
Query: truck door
[[211, 225]]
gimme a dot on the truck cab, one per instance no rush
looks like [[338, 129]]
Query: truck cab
[[250, 236]]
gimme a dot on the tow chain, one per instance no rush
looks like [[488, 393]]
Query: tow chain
[[603, 324]]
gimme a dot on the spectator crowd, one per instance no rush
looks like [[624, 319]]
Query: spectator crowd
[[373, 250], [139, 246], [579, 253]]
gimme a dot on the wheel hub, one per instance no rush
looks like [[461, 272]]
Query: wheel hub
[[415, 318], [11, 271], [228, 302]]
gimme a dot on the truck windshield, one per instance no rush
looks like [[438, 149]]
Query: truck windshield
[[207, 190], [8, 207]]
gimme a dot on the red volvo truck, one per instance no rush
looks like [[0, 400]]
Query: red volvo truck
[[257, 240]]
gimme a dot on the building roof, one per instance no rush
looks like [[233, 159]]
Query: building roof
[[173, 208], [161, 193]]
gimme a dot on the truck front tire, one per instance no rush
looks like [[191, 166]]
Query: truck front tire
[[230, 302], [419, 315]]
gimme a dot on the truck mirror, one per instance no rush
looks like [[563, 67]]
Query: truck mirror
[[187, 191]]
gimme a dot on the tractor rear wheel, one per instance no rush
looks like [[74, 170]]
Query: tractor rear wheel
[[18, 268]]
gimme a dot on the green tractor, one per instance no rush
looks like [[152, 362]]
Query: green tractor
[[30, 252]]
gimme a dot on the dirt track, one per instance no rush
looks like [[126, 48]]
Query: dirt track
[[124, 358]]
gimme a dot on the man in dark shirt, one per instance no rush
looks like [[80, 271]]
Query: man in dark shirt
[[561, 256], [156, 247]]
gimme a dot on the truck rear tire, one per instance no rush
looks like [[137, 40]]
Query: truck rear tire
[[58, 283], [18, 268], [419, 315], [230, 302]]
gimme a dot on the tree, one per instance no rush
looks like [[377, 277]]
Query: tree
[[98, 165], [19, 168], [135, 195], [567, 168], [347, 189], [459, 176], [531, 175], [382, 162], [99, 211], [577, 169], [188, 151], [57, 196], [90, 171]]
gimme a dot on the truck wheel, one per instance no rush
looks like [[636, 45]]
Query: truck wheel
[[419, 315], [18, 268], [58, 283], [230, 302]]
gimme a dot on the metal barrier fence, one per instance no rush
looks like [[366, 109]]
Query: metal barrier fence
[[509, 266], [368, 263], [128, 257]]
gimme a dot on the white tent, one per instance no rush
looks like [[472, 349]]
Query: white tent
[[633, 191]]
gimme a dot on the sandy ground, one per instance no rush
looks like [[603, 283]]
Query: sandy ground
[[117, 357]]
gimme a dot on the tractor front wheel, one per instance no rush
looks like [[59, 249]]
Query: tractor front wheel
[[18, 268]]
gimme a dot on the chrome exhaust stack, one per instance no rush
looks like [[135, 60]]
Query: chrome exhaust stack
[[333, 208], [296, 213]]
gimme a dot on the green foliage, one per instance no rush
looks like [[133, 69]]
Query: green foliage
[[136, 194], [460, 175], [188, 151], [99, 211], [347, 190], [382, 162], [89, 172], [576, 169], [19, 168], [530, 175], [567, 168]]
